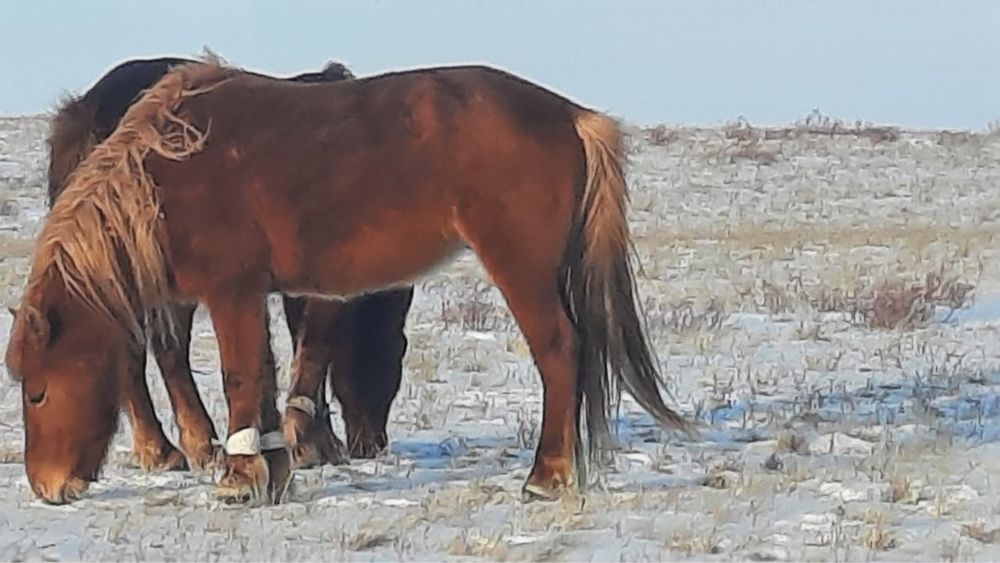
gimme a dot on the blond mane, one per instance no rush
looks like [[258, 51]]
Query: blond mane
[[102, 235]]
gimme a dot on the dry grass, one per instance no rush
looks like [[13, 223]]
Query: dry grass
[[878, 536], [901, 490], [661, 135], [908, 305], [771, 260], [981, 533], [15, 247], [691, 542]]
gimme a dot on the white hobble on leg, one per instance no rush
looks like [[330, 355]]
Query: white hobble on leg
[[248, 441]]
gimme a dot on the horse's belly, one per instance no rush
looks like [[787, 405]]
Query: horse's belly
[[370, 260]]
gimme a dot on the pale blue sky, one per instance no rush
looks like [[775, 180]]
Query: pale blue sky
[[909, 62]]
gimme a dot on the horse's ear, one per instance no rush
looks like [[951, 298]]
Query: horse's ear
[[37, 327], [12, 311]]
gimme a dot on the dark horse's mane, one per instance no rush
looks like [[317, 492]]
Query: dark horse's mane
[[83, 121]]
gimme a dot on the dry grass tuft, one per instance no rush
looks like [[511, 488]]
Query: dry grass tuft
[[661, 135], [366, 540], [901, 490], [899, 305], [11, 455], [691, 542], [474, 309], [468, 544], [878, 536], [980, 533], [791, 442]]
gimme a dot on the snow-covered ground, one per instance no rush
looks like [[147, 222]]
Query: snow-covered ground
[[772, 260]]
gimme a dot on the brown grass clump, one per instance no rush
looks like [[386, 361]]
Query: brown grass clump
[[691, 542], [878, 536], [900, 305], [980, 533], [468, 545], [662, 135], [791, 442], [901, 490]]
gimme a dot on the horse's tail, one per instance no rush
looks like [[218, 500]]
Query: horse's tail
[[72, 135], [599, 293]]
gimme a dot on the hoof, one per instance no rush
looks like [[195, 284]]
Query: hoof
[[245, 481], [365, 444], [202, 455], [206, 460], [163, 457], [311, 441], [551, 479], [62, 493]]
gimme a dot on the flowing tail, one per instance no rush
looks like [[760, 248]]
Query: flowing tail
[[599, 293]]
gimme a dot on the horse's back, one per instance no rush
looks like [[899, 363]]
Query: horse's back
[[399, 109], [350, 172]]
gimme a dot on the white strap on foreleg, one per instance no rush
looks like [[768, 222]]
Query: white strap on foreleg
[[248, 441], [302, 403], [243, 442]]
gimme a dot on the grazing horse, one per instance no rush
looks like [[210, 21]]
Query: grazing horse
[[362, 339], [221, 187]]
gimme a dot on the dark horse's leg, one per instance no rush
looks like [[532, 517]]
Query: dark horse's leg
[[196, 429], [313, 326], [257, 462], [367, 371], [361, 344], [149, 444]]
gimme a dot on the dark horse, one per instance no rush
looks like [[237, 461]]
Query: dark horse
[[363, 340], [338, 189]]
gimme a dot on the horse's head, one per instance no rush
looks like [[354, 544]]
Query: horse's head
[[72, 135], [71, 362]]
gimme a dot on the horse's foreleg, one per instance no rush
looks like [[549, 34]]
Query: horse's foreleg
[[196, 430], [150, 445], [249, 382], [307, 415]]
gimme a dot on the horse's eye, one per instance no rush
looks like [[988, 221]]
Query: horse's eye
[[37, 399]]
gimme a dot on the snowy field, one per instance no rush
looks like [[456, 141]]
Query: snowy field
[[824, 298]]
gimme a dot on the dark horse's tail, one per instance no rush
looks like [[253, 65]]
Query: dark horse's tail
[[600, 295]]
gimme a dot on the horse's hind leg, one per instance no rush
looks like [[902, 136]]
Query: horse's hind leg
[[307, 415], [367, 370], [525, 266], [241, 326], [196, 430], [150, 445]]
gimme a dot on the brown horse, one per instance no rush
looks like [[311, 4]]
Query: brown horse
[[221, 187], [363, 339]]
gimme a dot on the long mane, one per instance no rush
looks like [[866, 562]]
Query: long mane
[[102, 237]]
